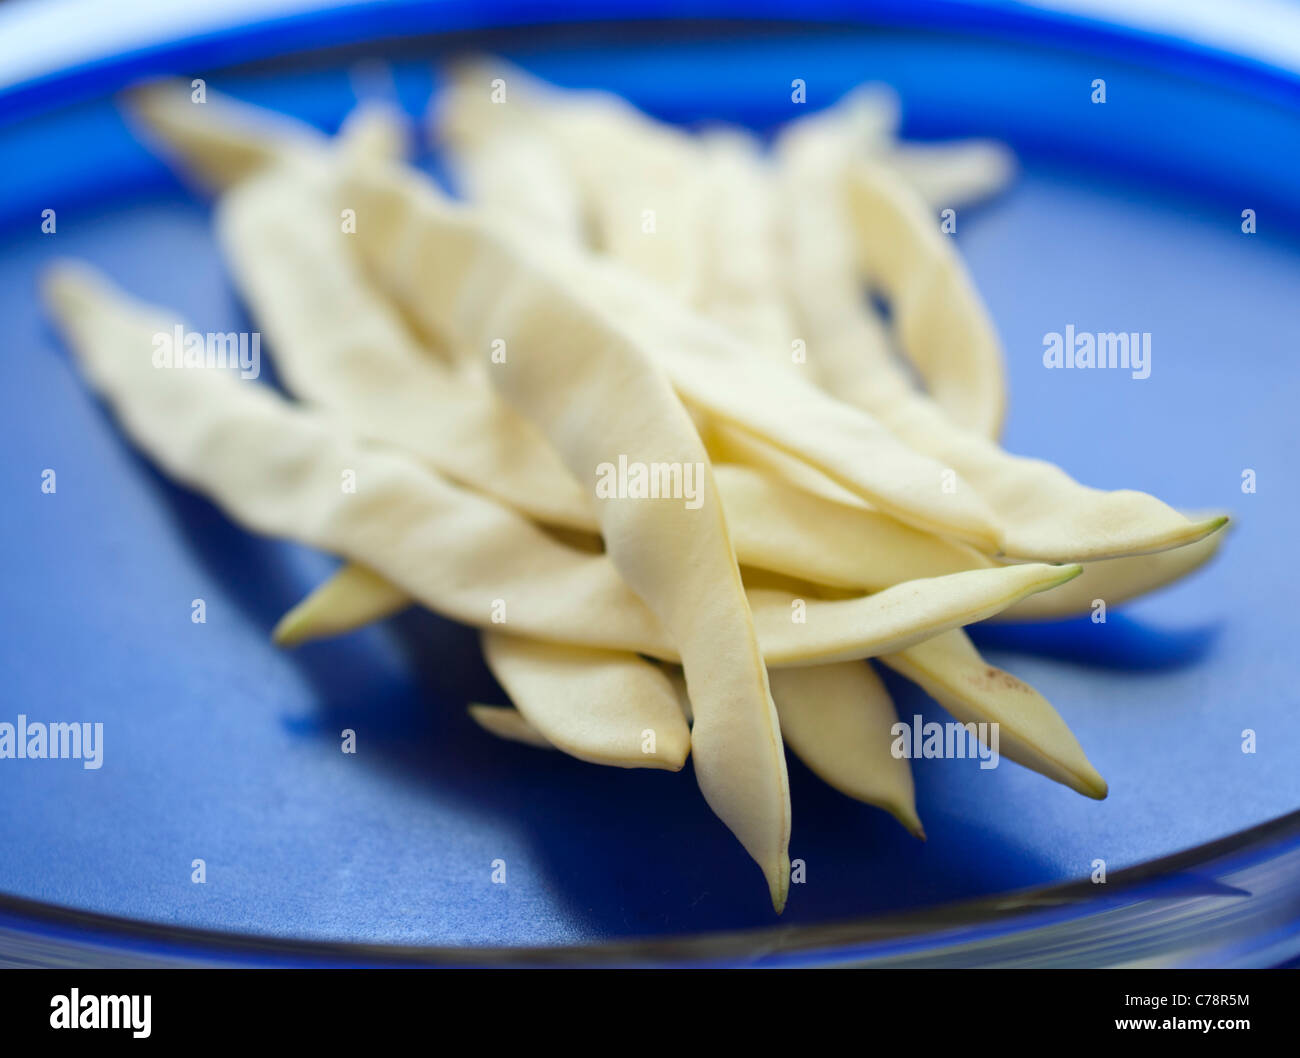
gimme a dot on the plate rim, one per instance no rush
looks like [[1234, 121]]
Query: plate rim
[[842, 942]]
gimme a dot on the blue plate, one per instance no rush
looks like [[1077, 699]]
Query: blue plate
[[217, 746]]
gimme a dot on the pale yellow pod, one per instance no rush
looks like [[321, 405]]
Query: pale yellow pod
[[223, 141], [937, 314], [375, 129], [955, 173], [731, 445], [795, 627], [1113, 580], [638, 179], [741, 246], [847, 345], [777, 526], [866, 118], [938, 317], [519, 174], [1116, 580], [951, 173], [837, 719], [601, 706], [352, 598], [502, 161], [219, 140], [1030, 731], [831, 630], [506, 722]]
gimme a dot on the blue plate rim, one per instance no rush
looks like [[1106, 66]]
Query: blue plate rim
[[353, 23], [978, 923]]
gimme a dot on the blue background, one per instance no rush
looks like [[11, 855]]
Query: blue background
[[219, 746]]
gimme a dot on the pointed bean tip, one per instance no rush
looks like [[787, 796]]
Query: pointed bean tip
[[1205, 527], [58, 279], [908, 819], [665, 765], [1081, 777], [1069, 572], [143, 100], [1090, 783], [778, 884], [288, 630]]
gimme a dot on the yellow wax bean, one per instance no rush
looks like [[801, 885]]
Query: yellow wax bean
[[837, 720], [740, 247], [1030, 731], [937, 315], [796, 627], [601, 706], [219, 140], [953, 174], [1116, 580], [506, 722], [637, 179], [847, 344]]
